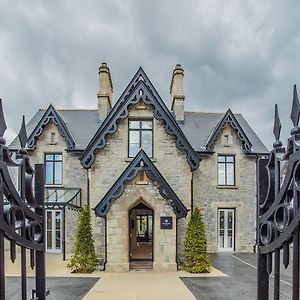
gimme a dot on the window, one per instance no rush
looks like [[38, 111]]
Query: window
[[140, 135], [226, 229], [53, 166], [226, 170]]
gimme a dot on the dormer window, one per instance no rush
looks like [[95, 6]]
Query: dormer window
[[140, 135]]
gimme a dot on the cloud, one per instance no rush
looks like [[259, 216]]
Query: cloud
[[242, 55]]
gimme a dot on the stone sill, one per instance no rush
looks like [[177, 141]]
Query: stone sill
[[230, 187], [129, 159]]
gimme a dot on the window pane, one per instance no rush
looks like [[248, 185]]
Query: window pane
[[230, 159], [49, 156], [58, 157], [134, 137], [147, 124], [58, 173], [49, 172], [221, 174], [57, 230], [134, 124], [221, 229], [146, 137], [147, 142], [148, 149], [133, 149], [230, 174], [49, 230], [221, 158]]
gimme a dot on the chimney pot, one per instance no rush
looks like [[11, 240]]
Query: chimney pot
[[176, 91], [105, 91]]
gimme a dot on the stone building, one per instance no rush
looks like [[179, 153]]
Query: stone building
[[143, 168]]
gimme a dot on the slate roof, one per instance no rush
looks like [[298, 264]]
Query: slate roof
[[82, 125], [197, 127]]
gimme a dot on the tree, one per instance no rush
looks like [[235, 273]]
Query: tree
[[195, 245], [84, 259]]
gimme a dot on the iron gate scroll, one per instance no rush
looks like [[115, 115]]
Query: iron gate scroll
[[21, 213], [278, 209]]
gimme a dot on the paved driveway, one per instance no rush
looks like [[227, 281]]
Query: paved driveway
[[62, 288], [240, 282]]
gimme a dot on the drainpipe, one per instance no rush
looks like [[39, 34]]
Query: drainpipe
[[192, 192], [105, 259], [87, 187], [64, 234], [177, 243]]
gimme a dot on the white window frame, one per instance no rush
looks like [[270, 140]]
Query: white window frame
[[53, 229]]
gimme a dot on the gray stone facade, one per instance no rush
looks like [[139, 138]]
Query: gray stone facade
[[193, 187]]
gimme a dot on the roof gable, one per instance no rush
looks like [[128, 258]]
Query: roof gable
[[229, 119], [140, 163], [139, 89], [51, 114]]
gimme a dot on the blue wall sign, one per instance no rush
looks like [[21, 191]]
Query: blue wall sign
[[166, 222]]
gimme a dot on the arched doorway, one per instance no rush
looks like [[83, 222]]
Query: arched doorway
[[141, 234]]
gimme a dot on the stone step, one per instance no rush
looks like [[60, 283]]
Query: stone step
[[141, 265]]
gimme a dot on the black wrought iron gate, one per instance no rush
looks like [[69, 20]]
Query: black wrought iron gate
[[278, 209], [21, 214]]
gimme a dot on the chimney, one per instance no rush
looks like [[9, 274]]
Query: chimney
[[176, 91], [105, 91]]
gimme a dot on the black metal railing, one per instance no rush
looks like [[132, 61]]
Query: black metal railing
[[22, 217], [278, 183]]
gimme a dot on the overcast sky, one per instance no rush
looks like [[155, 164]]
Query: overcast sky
[[243, 55]]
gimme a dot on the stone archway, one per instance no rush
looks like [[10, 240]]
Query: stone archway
[[141, 236], [164, 246]]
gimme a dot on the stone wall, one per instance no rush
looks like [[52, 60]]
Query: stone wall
[[113, 159], [209, 196], [74, 175], [71, 219]]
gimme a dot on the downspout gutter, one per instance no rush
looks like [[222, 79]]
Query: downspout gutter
[[87, 187], [177, 258], [192, 191], [105, 259], [64, 233]]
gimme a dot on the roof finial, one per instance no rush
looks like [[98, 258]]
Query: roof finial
[[277, 129], [23, 136], [3, 126], [295, 113]]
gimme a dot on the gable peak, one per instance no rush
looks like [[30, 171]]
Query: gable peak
[[229, 119], [51, 114]]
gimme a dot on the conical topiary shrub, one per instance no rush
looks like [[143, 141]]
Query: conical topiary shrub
[[84, 259], [195, 245]]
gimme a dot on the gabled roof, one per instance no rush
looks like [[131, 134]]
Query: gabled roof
[[51, 115], [229, 119], [139, 89], [141, 163], [82, 124], [199, 126]]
